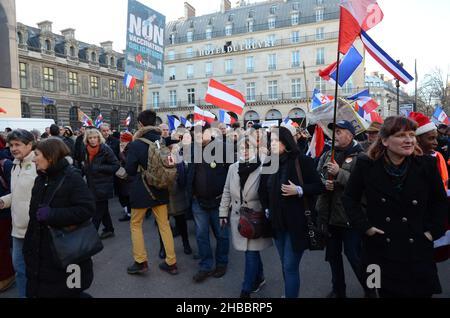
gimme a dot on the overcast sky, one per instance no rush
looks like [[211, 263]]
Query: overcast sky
[[410, 29]]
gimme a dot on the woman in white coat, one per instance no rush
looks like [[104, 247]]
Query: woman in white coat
[[245, 175]]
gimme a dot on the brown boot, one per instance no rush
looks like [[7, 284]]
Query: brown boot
[[7, 283]]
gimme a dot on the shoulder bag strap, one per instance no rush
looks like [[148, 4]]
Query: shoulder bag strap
[[300, 179], [56, 190]]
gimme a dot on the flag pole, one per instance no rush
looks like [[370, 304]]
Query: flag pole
[[336, 91], [415, 94]]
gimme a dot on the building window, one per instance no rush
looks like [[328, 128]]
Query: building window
[[48, 45], [296, 87], [189, 53], [73, 83], [272, 39], [273, 90], [250, 24], [319, 15], [320, 56], [229, 30], [296, 59], [130, 95], [190, 71], [229, 66], [155, 99], [208, 69], [191, 96], [250, 61], [295, 37], [72, 51], [172, 73], [251, 92], [319, 2], [273, 9], [73, 117], [319, 34], [171, 55], [50, 113], [20, 37], [320, 84], [173, 98], [111, 62], [208, 34], [190, 36], [93, 57], [294, 19], [94, 86], [172, 38], [296, 6], [272, 22], [26, 113], [113, 89], [115, 119], [272, 62], [23, 75], [49, 79]]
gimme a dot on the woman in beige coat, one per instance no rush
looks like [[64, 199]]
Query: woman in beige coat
[[245, 175]]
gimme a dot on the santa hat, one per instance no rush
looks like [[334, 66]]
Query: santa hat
[[425, 125]]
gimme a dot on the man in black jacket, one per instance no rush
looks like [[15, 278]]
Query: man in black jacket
[[208, 179], [111, 141], [141, 200]]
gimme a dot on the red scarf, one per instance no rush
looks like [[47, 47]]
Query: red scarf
[[92, 151]]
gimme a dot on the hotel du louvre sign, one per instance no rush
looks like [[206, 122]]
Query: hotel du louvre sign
[[230, 48]]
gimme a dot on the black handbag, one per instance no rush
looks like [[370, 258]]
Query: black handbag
[[73, 244], [317, 240]]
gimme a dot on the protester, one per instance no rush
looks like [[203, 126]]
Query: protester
[[372, 135], [401, 219], [207, 181], [124, 183], [332, 217], [443, 141], [7, 277], [67, 138], [242, 186], [165, 132], [60, 198], [100, 165], [78, 152], [110, 140], [141, 200], [282, 197], [23, 175]]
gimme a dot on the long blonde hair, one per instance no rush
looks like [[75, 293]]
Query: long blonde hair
[[91, 132]]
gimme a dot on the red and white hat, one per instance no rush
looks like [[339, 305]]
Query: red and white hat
[[425, 125]]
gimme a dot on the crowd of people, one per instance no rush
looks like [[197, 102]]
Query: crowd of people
[[378, 198]]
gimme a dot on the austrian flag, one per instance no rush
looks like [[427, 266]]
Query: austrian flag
[[224, 97]]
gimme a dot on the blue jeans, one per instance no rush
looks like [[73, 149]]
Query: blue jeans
[[203, 220], [253, 271], [290, 260], [351, 240], [19, 267]]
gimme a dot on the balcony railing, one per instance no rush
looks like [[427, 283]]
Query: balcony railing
[[200, 36]]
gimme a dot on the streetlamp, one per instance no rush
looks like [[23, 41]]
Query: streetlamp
[[397, 84]]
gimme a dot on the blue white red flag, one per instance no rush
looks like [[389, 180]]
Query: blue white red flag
[[385, 60], [320, 99], [317, 143], [348, 66], [129, 81], [128, 121], [441, 116], [364, 102], [186, 123], [226, 118], [174, 123], [99, 121]]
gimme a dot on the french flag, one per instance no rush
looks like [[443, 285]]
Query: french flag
[[226, 118], [320, 99], [128, 121], [203, 115], [357, 16], [385, 60], [348, 66], [317, 143], [224, 97], [441, 116], [364, 101], [129, 81], [173, 123], [186, 123]]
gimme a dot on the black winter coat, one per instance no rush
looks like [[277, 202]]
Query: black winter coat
[[137, 156], [114, 144], [100, 172], [404, 253], [72, 204], [5, 174], [290, 210]]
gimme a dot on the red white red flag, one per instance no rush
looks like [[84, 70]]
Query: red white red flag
[[224, 97]]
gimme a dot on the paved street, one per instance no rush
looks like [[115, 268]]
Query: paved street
[[112, 281]]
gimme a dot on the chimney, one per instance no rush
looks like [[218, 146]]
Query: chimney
[[69, 34], [189, 11], [45, 26], [107, 46], [382, 77], [225, 6]]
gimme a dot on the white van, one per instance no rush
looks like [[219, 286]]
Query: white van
[[26, 123]]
